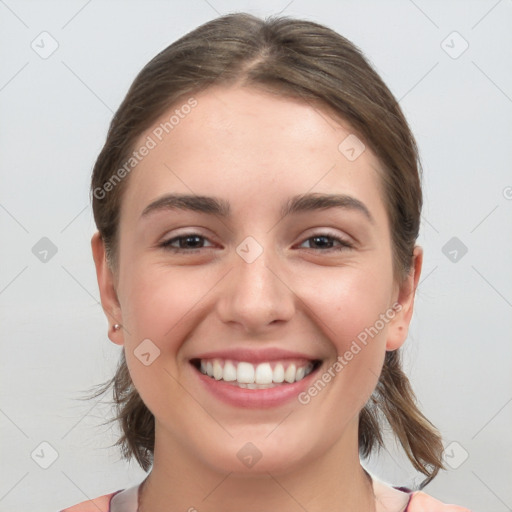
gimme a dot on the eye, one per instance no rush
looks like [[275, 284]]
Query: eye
[[185, 243], [324, 242], [189, 242]]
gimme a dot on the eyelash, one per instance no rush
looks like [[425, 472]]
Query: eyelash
[[344, 244]]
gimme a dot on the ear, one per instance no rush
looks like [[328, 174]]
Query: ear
[[399, 325], [106, 284]]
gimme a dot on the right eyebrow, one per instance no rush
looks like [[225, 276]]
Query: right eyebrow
[[195, 203]]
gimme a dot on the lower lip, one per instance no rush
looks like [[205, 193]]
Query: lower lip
[[254, 398]]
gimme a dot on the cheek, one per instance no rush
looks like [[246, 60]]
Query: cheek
[[159, 306], [156, 300], [352, 309], [347, 301]]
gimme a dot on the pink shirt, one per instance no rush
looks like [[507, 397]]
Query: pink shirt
[[388, 499]]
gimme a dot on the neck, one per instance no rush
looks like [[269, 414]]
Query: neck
[[334, 480]]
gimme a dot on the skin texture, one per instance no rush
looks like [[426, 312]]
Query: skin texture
[[255, 150]]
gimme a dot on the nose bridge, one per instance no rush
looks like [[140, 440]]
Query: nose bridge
[[255, 296]]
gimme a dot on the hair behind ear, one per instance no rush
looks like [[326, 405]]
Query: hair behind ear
[[394, 398], [135, 419]]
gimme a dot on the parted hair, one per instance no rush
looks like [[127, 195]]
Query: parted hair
[[291, 58]]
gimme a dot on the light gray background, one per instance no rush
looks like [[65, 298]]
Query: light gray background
[[54, 115]]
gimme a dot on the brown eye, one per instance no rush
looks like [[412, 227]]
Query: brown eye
[[325, 243], [185, 243]]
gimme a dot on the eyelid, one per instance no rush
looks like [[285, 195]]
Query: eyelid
[[187, 235], [191, 231], [329, 232], [344, 243]]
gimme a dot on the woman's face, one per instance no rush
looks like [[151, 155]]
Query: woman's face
[[229, 281]]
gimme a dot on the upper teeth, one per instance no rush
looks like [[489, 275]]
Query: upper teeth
[[247, 373]]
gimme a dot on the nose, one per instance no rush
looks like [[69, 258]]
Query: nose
[[256, 294]]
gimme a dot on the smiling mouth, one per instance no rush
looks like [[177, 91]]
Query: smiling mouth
[[263, 375]]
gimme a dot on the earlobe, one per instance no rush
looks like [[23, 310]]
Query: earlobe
[[106, 285], [399, 326]]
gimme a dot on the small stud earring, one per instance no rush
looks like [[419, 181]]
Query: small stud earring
[[117, 327]]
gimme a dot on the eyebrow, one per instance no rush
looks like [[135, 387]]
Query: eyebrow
[[220, 207]]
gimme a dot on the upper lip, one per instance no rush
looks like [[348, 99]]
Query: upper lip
[[254, 355]]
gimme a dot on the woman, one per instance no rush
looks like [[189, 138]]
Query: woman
[[258, 200]]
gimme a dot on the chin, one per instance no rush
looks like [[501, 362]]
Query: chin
[[258, 457], [274, 464]]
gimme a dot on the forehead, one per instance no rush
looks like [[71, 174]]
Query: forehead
[[245, 144]]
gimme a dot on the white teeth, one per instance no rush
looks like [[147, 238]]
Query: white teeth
[[229, 372], [278, 375], [217, 370], [263, 374], [259, 386], [247, 375], [255, 386], [289, 374]]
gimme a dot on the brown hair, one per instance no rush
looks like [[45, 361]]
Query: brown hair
[[299, 59]]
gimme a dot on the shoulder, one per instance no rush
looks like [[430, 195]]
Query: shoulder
[[390, 498], [421, 502], [100, 504]]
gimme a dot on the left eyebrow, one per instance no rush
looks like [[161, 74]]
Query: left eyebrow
[[299, 203], [316, 201]]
